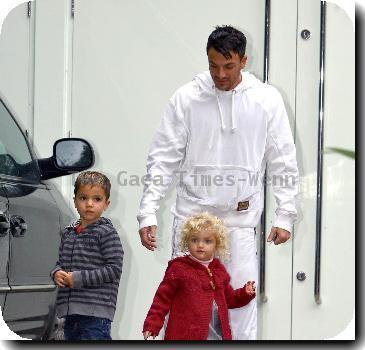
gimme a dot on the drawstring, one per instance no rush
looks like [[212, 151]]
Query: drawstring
[[233, 120], [220, 111]]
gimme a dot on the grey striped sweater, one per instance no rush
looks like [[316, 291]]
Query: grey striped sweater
[[95, 257]]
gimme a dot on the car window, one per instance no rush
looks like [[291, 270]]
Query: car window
[[15, 157]]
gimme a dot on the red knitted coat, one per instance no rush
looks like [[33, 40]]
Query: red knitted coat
[[187, 292]]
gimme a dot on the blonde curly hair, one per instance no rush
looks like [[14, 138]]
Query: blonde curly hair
[[201, 222]]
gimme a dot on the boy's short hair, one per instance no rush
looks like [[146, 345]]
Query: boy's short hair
[[93, 178], [201, 222]]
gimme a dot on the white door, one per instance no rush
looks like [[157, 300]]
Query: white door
[[128, 59], [295, 68], [335, 262]]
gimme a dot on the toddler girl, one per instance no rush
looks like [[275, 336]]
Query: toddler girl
[[195, 290]]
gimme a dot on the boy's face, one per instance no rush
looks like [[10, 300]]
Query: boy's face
[[90, 202], [202, 244]]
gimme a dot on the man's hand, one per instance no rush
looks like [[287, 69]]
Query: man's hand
[[59, 278], [148, 237], [69, 280], [278, 235]]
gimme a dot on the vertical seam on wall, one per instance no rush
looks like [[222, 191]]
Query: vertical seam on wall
[[262, 265], [68, 88], [294, 136], [31, 74], [296, 75], [72, 39], [68, 49]]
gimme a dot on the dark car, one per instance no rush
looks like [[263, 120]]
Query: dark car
[[32, 215]]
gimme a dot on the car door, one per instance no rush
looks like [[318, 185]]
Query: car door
[[34, 234], [34, 244], [4, 246]]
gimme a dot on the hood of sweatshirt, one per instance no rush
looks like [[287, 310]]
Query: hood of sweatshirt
[[100, 222], [206, 86]]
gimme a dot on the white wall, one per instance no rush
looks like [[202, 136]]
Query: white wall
[[124, 72]]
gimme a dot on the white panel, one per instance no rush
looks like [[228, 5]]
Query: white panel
[[312, 321], [15, 63], [129, 58], [348, 6], [52, 73], [304, 307], [52, 78], [338, 229], [282, 74]]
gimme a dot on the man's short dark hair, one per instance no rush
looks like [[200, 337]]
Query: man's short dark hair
[[225, 39]]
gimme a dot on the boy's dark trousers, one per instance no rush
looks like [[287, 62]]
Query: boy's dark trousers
[[80, 327]]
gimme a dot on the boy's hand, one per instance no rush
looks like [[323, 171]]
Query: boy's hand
[[148, 237], [59, 278], [148, 334], [250, 288], [69, 280]]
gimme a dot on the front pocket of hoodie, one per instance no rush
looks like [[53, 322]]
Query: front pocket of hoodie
[[223, 187]]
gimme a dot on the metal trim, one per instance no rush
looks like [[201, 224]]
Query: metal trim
[[317, 276], [267, 41], [29, 9], [32, 288], [262, 277], [4, 289], [72, 8]]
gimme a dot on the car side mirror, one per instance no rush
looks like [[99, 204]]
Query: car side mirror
[[70, 155]]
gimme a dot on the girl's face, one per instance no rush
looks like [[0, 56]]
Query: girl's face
[[202, 244]]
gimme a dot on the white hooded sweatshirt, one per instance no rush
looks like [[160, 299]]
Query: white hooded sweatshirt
[[217, 145]]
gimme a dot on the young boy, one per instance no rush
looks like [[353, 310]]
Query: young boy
[[90, 264]]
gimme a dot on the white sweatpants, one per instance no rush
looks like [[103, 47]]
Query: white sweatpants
[[242, 267]]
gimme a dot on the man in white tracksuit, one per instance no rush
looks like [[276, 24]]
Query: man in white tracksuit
[[218, 135]]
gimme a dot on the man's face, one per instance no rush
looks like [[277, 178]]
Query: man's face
[[226, 73]]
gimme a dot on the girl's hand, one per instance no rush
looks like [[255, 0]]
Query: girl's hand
[[250, 288], [148, 334], [59, 278]]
